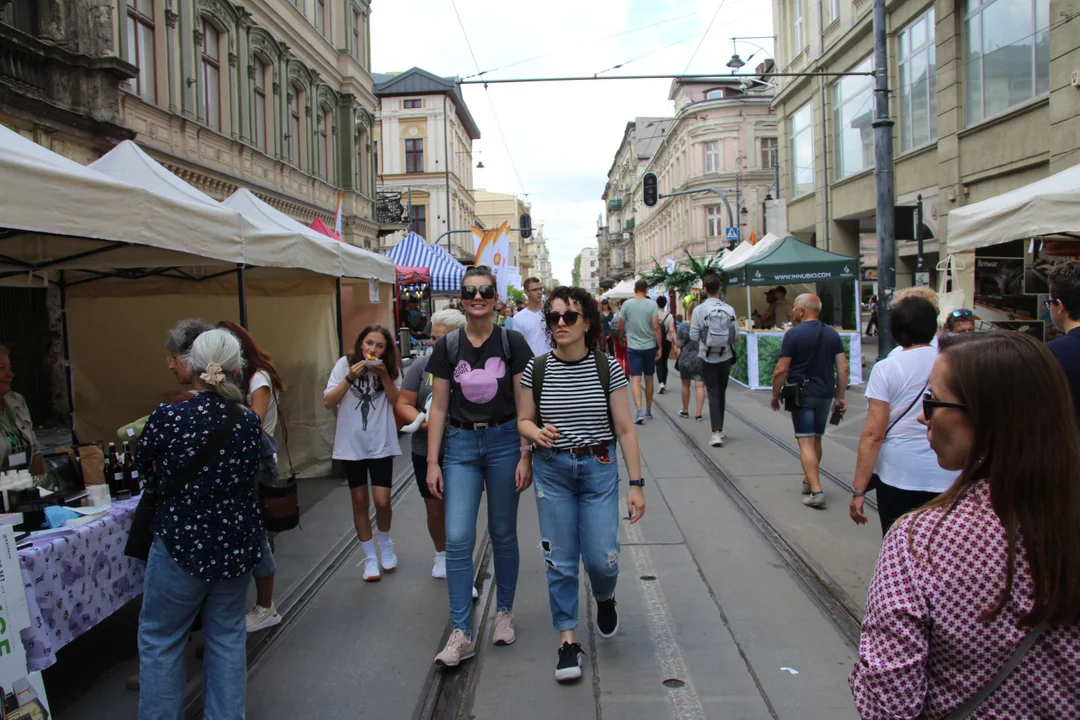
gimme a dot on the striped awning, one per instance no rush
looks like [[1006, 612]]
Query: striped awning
[[446, 272]]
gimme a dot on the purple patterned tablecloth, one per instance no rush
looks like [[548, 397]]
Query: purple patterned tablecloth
[[77, 579]]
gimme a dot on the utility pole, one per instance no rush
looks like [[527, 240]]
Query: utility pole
[[885, 219]]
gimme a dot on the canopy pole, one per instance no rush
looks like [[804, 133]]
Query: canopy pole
[[748, 308], [242, 295], [66, 349], [340, 327]]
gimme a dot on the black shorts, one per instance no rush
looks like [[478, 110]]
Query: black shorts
[[381, 471], [419, 463]]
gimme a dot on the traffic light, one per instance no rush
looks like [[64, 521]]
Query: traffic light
[[649, 190], [525, 226]]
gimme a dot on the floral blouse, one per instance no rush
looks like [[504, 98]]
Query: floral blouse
[[212, 526], [924, 651]]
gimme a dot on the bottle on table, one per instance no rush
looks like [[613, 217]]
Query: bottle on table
[[114, 473], [131, 472]]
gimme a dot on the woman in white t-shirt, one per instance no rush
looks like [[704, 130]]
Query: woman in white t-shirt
[[894, 447], [264, 385], [363, 386]]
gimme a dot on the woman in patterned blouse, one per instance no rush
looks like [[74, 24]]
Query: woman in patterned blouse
[[207, 537], [961, 581]]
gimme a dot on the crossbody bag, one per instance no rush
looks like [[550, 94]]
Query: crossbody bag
[[965, 710], [141, 535], [793, 392], [875, 479]]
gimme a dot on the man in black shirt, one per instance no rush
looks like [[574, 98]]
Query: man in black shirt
[[1064, 305], [809, 353]]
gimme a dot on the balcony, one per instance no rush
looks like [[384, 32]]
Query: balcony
[[390, 213], [615, 203]]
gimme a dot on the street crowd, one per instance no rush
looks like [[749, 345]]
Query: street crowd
[[970, 443]]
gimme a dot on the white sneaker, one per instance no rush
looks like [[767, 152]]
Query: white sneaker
[[438, 570], [389, 558], [371, 569], [259, 618], [717, 439], [475, 593], [662, 388]]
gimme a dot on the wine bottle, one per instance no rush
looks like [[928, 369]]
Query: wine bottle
[[114, 473], [131, 472]]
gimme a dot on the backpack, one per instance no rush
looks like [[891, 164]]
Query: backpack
[[453, 344], [719, 330], [603, 369]]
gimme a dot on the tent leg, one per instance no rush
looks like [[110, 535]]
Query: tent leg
[[340, 326], [242, 296], [66, 347], [749, 310]]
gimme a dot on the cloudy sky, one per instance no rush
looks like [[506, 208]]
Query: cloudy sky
[[559, 139]]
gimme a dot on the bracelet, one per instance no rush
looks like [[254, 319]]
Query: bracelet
[[858, 493], [526, 449]]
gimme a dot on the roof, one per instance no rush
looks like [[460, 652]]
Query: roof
[[416, 81], [791, 260]]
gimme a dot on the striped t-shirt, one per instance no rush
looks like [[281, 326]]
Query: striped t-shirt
[[573, 400]]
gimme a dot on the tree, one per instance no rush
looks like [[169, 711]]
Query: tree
[[516, 295], [575, 274]]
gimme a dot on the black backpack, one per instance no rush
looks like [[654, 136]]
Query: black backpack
[[603, 369]]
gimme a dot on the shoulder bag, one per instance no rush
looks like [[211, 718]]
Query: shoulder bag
[[141, 536], [875, 479], [965, 710], [793, 392], [280, 501]]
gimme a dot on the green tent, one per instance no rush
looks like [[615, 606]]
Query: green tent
[[792, 261]]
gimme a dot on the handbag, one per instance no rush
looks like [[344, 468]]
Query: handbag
[[965, 710], [793, 392], [141, 535], [280, 501], [875, 479]]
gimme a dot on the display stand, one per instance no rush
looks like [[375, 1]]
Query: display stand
[[758, 352]]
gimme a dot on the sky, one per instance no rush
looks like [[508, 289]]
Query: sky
[[558, 140]]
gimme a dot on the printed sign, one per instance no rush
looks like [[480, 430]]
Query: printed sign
[[731, 233]]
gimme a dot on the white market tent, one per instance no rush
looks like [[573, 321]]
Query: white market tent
[[1045, 207], [623, 291], [132, 258]]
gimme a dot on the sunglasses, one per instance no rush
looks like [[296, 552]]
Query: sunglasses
[[487, 292], [929, 405], [570, 317], [966, 314]]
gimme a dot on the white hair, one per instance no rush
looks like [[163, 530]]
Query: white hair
[[217, 347], [449, 318]]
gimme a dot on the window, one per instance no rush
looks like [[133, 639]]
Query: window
[[830, 11], [356, 26], [294, 127], [320, 16], [918, 83], [712, 156], [414, 156], [140, 46], [375, 152], [797, 27], [714, 95], [412, 104], [714, 224], [770, 157], [801, 135], [325, 152], [853, 114], [1007, 54], [258, 130], [212, 74], [418, 220]]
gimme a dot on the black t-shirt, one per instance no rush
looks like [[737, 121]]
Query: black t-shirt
[[481, 379], [817, 368]]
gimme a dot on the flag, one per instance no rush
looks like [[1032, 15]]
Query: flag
[[337, 216], [493, 250]]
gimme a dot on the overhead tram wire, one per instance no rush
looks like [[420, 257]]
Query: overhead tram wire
[[669, 76], [651, 52], [715, 14]]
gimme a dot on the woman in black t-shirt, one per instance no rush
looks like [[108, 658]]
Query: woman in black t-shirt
[[476, 372]]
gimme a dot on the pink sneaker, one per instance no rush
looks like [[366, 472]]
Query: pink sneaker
[[458, 648], [504, 629]]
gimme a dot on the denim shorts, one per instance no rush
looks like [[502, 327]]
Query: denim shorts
[[810, 420], [642, 362]]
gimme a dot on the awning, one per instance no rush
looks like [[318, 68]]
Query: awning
[[320, 227], [789, 260], [623, 291], [412, 275], [446, 272], [1046, 207]]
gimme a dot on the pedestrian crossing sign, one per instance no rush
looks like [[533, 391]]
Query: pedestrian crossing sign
[[731, 233]]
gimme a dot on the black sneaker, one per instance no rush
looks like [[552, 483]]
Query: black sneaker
[[607, 617], [684, 414], [569, 667]]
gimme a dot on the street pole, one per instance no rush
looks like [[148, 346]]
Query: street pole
[[918, 233], [446, 162], [885, 218]]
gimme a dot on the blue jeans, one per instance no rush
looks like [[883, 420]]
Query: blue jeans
[[171, 600], [476, 459], [577, 498], [266, 567], [810, 420]]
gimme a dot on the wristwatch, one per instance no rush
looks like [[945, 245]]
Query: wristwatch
[[640, 482]]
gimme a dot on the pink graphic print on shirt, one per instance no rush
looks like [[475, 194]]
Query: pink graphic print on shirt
[[480, 386]]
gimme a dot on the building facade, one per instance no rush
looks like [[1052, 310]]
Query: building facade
[[272, 95], [541, 258], [423, 140], [982, 101], [492, 210], [723, 136], [589, 270], [615, 229]]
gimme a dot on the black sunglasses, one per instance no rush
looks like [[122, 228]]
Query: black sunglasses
[[570, 317], [929, 405], [487, 292], [961, 314]]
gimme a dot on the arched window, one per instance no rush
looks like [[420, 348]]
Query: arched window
[[211, 58], [325, 140], [258, 104], [714, 95], [296, 144]]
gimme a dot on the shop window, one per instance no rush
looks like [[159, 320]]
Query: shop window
[[801, 135], [918, 82], [712, 156], [769, 153], [412, 104], [853, 115], [414, 155], [1006, 53], [211, 58], [418, 220], [258, 129], [140, 49]]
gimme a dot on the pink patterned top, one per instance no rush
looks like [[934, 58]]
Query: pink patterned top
[[924, 650]]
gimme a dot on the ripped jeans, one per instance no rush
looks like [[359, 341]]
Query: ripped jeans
[[577, 499]]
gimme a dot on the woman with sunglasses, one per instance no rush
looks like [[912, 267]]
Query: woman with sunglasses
[[476, 371], [363, 386], [583, 407], [988, 573]]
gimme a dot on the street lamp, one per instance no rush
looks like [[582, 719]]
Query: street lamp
[[736, 63]]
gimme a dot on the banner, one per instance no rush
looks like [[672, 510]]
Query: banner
[[22, 693], [493, 250]]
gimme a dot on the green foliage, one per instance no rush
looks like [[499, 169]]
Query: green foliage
[[679, 281], [518, 296], [740, 370], [768, 356], [575, 274]]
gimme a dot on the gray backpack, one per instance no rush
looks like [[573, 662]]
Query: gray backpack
[[718, 330]]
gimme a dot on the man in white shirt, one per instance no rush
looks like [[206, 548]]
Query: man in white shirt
[[529, 321]]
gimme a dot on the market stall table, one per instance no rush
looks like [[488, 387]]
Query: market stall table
[[75, 578], [758, 351]]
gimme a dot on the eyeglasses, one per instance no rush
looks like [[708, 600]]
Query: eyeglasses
[[965, 314], [538, 288], [487, 292], [929, 405], [1049, 303], [570, 317]]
